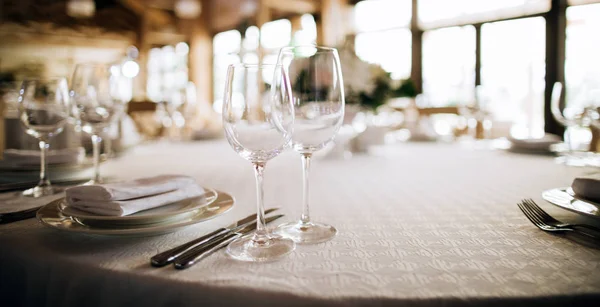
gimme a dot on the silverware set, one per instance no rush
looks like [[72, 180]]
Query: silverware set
[[188, 254], [545, 222]]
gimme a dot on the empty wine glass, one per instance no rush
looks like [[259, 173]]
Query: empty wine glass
[[574, 118], [476, 111], [93, 93], [315, 78], [257, 119], [44, 112]]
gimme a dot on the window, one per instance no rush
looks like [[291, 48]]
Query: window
[[437, 13], [513, 73], [275, 35], [308, 33], [383, 36], [374, 15], [167, 71], [449, 65], [230, 47], [582, 66], [226, 48]]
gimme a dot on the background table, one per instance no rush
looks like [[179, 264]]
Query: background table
[[419, 224]]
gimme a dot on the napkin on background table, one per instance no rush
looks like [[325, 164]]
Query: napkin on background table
[[32, 157], [125, 198], [587, 187]]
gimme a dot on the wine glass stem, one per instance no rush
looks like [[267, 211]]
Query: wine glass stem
[[260, 236], [569, 140], [96, 140], [305, 218], [44, 181]]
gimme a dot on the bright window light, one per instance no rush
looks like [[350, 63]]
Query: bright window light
[[513, 72], [276, 34], [436, 13], [391, 49], [376, 15], [227, 42], [582, 67], [449, 65], [251, 38]]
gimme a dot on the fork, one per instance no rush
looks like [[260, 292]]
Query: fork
[[545, 222]]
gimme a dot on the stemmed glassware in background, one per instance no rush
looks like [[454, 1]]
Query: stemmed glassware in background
[[44, 111], [93, 94], [315, 78], [574, 118], [257, 119], [477, 113], [177, 100]]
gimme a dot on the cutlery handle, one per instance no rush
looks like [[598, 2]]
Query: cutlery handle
[[190, 258], [168, 256], [590, 227], [17, 216], [584, 230], [6, 187]]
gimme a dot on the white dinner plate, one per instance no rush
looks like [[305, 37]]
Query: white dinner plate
[[566, 198], [51, 216], [171, 212]]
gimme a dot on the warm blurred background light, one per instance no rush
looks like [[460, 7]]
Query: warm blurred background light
[[81, 8], [512, 49], [188, 9]]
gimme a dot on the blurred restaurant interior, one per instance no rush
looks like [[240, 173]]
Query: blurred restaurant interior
[[435, 127], [171, 56]]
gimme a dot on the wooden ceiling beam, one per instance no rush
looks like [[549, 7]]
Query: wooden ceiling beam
[[155, 16], [293, 6]]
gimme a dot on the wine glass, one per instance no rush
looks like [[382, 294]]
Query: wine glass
[[44, 112], [93, 93], [573, 117], [315, 78], [257, 119], [476, 110]]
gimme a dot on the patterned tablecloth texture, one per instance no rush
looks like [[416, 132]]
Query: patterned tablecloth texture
[[419, 225]]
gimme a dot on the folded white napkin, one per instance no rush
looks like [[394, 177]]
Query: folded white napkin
[[125, 198], [588, 188], [32, 157]]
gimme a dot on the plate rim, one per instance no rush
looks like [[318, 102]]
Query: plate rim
[[154, 229], [131, 218], [565, 191]]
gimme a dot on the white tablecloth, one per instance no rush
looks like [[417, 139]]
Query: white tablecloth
[[419, 224]]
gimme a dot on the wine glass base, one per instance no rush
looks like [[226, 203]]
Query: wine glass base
[[36, 192], [306, 233], [92, 182], [578, 160], [246, 249]]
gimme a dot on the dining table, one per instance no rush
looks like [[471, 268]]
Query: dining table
[[419, 224]]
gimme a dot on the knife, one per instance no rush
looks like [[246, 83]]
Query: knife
[[168, 256], [6, 218], [12, 186], [198, 253]]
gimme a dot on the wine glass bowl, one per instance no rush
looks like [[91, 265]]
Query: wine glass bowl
[[315, 80], [576, 117], [257, 120], [94, 93], [315, 125], [43, 111]]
